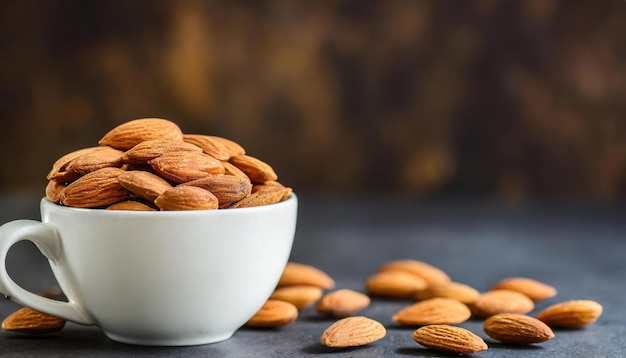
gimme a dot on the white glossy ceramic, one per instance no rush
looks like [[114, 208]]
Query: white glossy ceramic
[[157, 278]]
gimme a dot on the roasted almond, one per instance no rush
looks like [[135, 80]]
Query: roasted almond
[[501, 301], [209, 144], [449, 339], [273, 186], [28, 320], [516, 328], [257, 170], [96, 189], [300, 296], [534, 289], [227, 188], [233, 147], [429, 273], [274, 313], [437, 310], [130, 205], [230, 169], [571, 314], [181, 167], [352, 332], [264, 197], [144, 184], [186, 198], [342, 303], [394, 284], [94, 159], [54, 191], [131, 133], [145, 151], [301, 274], [455, 290]]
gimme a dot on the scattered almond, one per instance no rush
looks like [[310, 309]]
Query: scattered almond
[[128, 134], [186, 198], [501, 301], [394, 284], [300, 296], [301, 274], [28, 320], [437, 310], [455, 290], [431, 274], [571, 314], [352, 332], [342, 303], [274, 313], [535, 290], [516, 328], [449, 339]]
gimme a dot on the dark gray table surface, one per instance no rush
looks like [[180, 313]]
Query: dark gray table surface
[[578, 248]]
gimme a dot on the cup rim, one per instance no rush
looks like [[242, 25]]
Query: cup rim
[[234, 211]]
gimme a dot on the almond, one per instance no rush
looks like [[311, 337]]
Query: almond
[[131, 133], [209, 144], [352, 332], [273, 186], [456, 290], [28, 320], [342, 303], [274, 313], [535, 290], [130, 205], [302, 274], [449, 339], [263, 197], [429, 273], [571, 314], [300, 296], [230, 169], [516, 328], [181, 167], [186, 198], [394, 284], [437, 310], [257, 170], [227, 188], [147, 150], [54, 191], [144, 184], [501, 301], [94, 159], [233, 147], [99, 188]]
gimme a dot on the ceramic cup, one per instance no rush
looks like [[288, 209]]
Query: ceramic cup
[[157, 278]]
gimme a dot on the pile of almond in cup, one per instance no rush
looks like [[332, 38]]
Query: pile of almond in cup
[[150, 164]]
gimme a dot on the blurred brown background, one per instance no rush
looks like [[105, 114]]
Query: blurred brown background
[[510, 99]]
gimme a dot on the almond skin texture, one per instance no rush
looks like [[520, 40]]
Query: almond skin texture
[[394, 284], [233, 147], [342, 303], [455, 290], [262, 197], [227, 188], [571, 314], [301, 296], [131, 133], [130, 205], [501, 301], [449, 339], [150, 149], [28, 320], [144, 184], [209, 144], [230, 169], [437, 310], [517, 329], [429, 273], [186, 198], [96, 189], [257, 170], [301, 274], [274, 313], [535, 290], [181, 167], [94, 159], [352, 332]]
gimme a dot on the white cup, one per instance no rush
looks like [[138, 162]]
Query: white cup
[[157, 278]]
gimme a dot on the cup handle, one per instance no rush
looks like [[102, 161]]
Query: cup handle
[[47, 240]]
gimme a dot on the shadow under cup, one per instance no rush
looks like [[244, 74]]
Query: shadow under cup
[[158, 278]]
